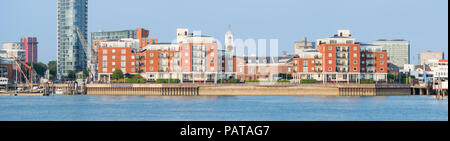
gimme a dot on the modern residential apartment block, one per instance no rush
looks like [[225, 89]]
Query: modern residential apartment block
[[191, 58], [72, 32], [340, 58], [140, 34]]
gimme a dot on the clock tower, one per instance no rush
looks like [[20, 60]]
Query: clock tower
[[229, 41]]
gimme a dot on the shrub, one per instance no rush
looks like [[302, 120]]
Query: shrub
[[167, 80], [367, 81], [308, 81], [283, 81], [232, 80], [253, 81], [117, 74]]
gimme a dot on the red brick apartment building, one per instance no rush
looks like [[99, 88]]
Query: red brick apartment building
[[340, 58], [191, 58]]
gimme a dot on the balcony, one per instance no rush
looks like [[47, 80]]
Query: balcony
[[341, 64], [341, 57]]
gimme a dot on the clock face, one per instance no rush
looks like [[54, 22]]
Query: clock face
[[229, 47]]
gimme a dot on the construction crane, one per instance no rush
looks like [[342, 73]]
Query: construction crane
[[30, 71]]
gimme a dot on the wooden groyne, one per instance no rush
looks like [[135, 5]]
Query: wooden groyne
[[246, 89]]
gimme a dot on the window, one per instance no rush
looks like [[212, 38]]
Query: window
[[113, 57], [186, 54], [212, 68], [132, 57], [151, 68], [355, 48], [186, 47], [151, 54], [132, 69], [113, 51], [305, 63], [212, 54], [381, 56], [381, 69], [132, 63], [329, 69], [113, 63], [186, 61], [330, 62], [362, 55], [123, 51], [330, 55], [151, 61], [355, 62], [105, 70], [382, 62], [330, 48], [105, 51], [355, 69], [363, 62], [355, 55]]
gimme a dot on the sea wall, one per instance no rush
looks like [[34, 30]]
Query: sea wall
[[247, 89]]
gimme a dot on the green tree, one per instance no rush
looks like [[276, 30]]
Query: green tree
[[71, 75], [40, 68], [117, 74], [52, 68], [85, 74]]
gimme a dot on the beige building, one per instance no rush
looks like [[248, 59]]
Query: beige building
[[425, 57], [303, 45]]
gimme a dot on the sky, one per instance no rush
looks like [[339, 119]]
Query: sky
[[423, 22]]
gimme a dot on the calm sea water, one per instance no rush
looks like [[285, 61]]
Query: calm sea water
[[228, 108]]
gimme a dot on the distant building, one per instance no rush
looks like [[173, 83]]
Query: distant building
[[14, 49], [303, 45], [72, 22], [31, 49], [6, 71], [440, 74], [425, 57], [398, 50]]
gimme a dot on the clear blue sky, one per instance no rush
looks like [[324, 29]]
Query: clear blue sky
[[423, 22]]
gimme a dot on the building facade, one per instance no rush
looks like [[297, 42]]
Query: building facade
[[140, 34], [191, 58], [340, 58], [72, 22], [303, 45], [14, 49], [31, 49], [427, 57], [399, 51]]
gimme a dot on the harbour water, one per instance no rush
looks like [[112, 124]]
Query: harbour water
[[228, 108]]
